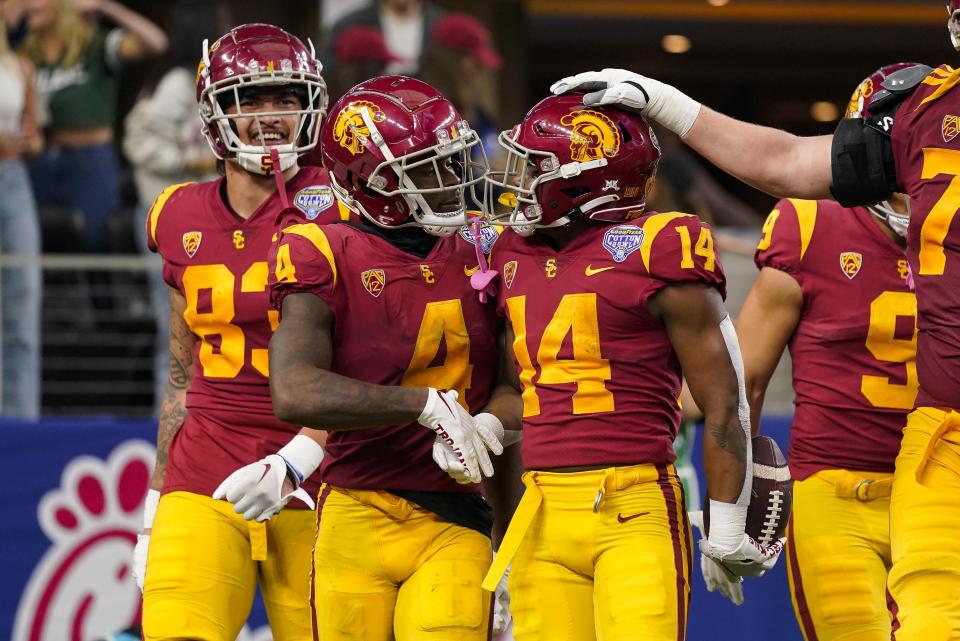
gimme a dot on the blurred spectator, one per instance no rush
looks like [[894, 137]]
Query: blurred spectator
[[360, 53], [684, 185], [20, 285], [406, 26], [163, 143], [460, 62], [78, 66]]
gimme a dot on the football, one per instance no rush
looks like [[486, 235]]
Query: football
[[771, 496]]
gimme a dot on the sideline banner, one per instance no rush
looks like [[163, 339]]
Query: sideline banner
[[72, 497]]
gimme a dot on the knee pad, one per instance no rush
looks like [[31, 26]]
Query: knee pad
[[450, 595], [848, 593], [351, 616]]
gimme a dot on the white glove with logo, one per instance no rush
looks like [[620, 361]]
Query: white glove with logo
[[501, 605], [256, 490], [735, 552], [465, 440], [713, 576], [490, 430], [666, 104], [139, 570]]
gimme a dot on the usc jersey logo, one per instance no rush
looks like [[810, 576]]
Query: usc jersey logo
[[373, 281], [238, 240], [509, 271], [593, 135], [850, 263], [350, 130], [191, 242]]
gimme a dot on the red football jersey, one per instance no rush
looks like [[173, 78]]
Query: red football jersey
[[399, 320], [600, 378], [854, 348], [927, 155], [218, 261]]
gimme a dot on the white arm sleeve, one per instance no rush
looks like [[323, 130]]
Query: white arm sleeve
[[743, 407]]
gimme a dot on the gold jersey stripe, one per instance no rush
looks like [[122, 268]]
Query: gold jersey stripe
[[315, 235], [344, 211], [651, 227], [153, 216], [943, 84], [807, 218]]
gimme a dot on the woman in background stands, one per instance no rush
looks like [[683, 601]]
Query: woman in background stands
[[163, 142], [78, 66], [19, 234]]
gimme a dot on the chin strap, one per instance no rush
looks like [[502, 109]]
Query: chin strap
[[482, 280], [281, 185]]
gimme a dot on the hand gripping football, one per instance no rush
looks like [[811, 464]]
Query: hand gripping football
[[771, 497]]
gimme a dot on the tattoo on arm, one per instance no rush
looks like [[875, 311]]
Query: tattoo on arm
[[173, 409]]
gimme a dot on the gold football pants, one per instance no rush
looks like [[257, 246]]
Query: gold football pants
[[601, 554], [925, 527], [838, 555], [387, 569], [204, 565]]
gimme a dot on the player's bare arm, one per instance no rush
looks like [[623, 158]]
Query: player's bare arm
[[692, 316], [173, 408], [767, 319], [306, 392], [769, 159]]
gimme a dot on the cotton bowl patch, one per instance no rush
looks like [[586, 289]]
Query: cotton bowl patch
[[313, 199], [488, 236], [623, 240]]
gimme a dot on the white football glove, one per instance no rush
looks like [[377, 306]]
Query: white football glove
[[256, 490], [663, 103], [713, 576], [491, 432], [736, 553], [467, 440], [139, 569], [501, 605]]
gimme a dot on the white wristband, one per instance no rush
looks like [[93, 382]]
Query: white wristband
[[727, 523], [672, 108], [303, 454], [150, 508]]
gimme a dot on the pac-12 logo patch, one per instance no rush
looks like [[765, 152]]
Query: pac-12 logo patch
[[374, 281], [623, 240], [191, 242], [850, 263], [313, 199], [509, 272], [488, 236], [950, 127]]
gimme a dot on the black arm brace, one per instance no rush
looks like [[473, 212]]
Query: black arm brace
[[862, 164], [863, 168]]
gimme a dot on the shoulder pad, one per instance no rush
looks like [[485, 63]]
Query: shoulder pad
[[895, 88]]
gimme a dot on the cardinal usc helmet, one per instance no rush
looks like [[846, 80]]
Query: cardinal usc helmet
[[953, 22], [565, 160], [870, 90], [383, 129], [251, 59]]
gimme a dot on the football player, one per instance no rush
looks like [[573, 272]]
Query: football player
[[833, 286], [607, 306], [377, 318], [906, 140], [261, 102]]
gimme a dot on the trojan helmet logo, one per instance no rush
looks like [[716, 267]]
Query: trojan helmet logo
[[850, 263], [350, 130], [373, 281], [860, 94], [593, 135], [950, 127]]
